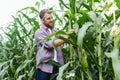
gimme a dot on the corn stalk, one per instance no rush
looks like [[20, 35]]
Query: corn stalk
[[100, 51]]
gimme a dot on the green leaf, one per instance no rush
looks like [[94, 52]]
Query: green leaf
[[31, 72], [84, 18], [54, 34], [21, 24], [81, 34], [22, 66], [72, 6], [3, 71], [110, 18], [61, 70], [117, 3], [62, 2], [52, 62], [27, 18], [11, 64], [76, 27], [21, 77], [93, 16], [3, 63], [86, 6], [115, 62], [31, 8]]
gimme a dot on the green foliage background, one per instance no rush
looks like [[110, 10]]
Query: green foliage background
[[90, 54]]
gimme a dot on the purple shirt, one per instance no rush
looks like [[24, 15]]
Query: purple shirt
[[47, 51]]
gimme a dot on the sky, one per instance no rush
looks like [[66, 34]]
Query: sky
[[10, 7]]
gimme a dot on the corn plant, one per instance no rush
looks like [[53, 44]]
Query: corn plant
[[17, 54], [85, 53]]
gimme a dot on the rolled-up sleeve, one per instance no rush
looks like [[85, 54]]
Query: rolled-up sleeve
[[39, 37]]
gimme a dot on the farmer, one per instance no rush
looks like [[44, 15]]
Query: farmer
[[45, 49]]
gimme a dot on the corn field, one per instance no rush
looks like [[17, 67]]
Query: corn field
[[91, 53]]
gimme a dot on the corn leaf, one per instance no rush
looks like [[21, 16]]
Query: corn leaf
[[117, 3], [81, 34], [114, 55], [22, 66], [61, 70]]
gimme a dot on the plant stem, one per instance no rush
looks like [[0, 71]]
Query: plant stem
[[88, 74], [82, 75], [71, 52], [99, 52]]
